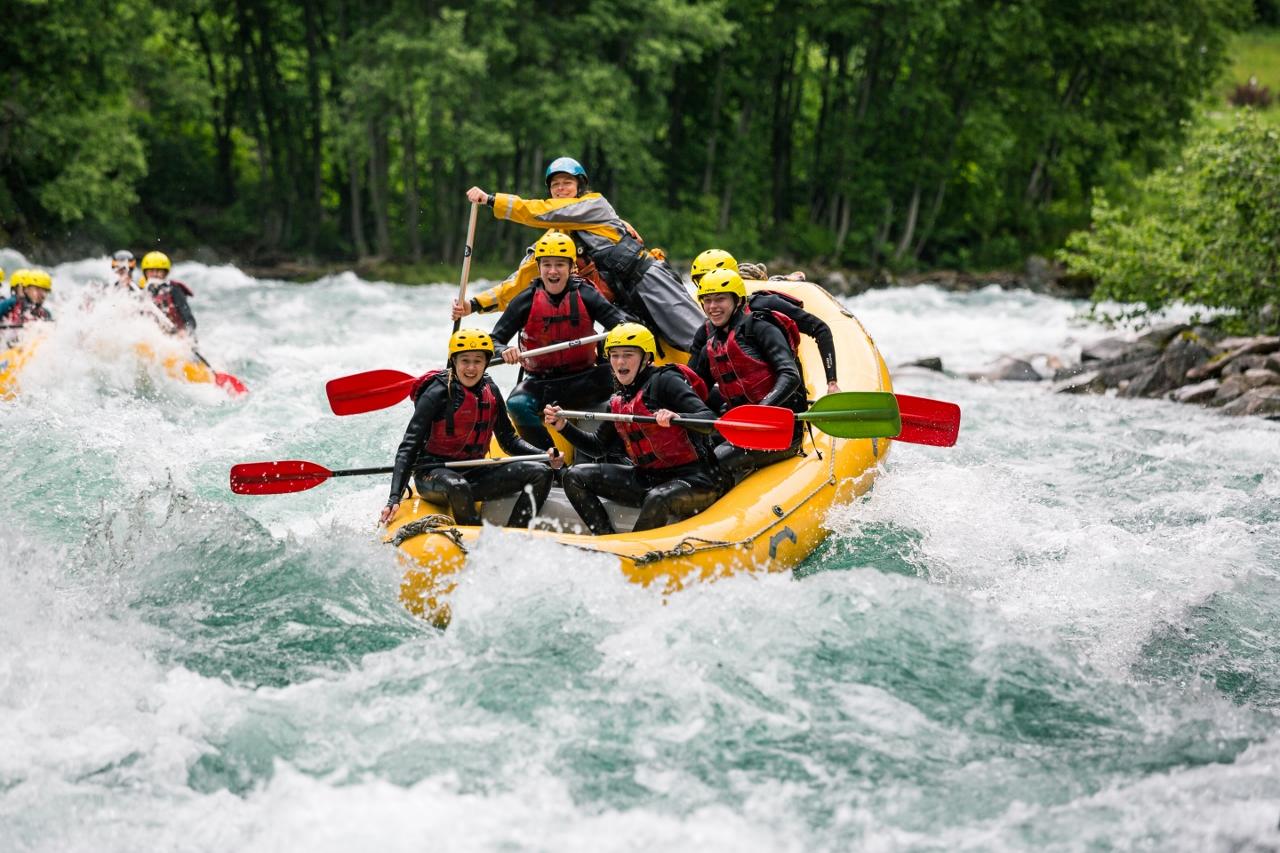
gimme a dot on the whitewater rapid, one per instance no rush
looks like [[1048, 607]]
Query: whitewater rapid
[[1059, 634]]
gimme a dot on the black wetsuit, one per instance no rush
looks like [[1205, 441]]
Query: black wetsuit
[[808, 324], [763, 341], [663, 495], [582, 389], [460, 488]]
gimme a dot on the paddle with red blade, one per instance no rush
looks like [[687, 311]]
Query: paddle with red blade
[[295, 475], [225, 381], [378, 389], [750, 427], [925, 421]]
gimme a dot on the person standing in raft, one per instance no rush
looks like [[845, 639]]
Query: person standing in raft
[[644, 284], [28, 289], [169, 295], [456, 413], [748, 359], [558, 307], [671, 476], [783, 306]]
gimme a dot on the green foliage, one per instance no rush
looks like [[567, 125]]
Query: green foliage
[[1205, 231], [863, 132]]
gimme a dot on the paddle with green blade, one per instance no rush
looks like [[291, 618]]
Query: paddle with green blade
[[856, 414], [750, 427], [879, 414]]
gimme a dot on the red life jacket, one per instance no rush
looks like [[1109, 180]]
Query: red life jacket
[[782, 321], [551, 324], [650, 446], [741, 378], [163, 298], [24, 311], [464, 432]]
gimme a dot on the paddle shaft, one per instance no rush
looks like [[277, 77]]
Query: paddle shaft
[[563, 345], [466, 261], [650, 419], [463, 463]]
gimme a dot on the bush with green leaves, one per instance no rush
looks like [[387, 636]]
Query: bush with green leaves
[[1203, 232]]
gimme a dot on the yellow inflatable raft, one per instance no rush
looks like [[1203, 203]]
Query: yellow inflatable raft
[[771, 521], [173, 363], [11, 363]]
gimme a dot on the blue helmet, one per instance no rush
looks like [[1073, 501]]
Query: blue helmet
[[569, 166]]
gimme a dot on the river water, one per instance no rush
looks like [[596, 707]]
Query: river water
[[1060, 634]]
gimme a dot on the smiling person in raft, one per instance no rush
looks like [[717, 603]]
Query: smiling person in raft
[[643, 283], [748, 358], [456, 413], [783, 305], [671, 475], [559, 307]]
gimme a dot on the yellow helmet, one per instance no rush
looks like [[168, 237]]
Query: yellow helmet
[[155, 261], [38, 278], [712, 259], [631, 335], [555, 244], [722, 281], [19, 277], [470, 340]]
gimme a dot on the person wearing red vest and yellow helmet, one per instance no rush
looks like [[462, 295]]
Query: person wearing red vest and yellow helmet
[[671, 476], [644, 284], [456, 412], [558, 307], [782, 306], [745, 359], [26, 304], [169, 295]]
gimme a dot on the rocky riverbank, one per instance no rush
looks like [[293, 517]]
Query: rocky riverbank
[[1183, 363]]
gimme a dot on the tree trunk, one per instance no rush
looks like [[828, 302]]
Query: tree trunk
[[713, 131], [726, 193], [909, 227], [409, 132], [357, 204], [378, 187]]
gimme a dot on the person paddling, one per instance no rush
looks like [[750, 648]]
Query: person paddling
[[671, 476], [169, 295], [456, 413], [558, 307], [644, 284], [766, 300], [28, 291], [747, 359]]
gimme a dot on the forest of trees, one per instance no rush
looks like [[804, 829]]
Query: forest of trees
[[864, 133]]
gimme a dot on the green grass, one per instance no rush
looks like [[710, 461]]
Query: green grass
[[1255, 53]]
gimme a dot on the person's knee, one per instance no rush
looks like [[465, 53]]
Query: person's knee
[[524, 408]]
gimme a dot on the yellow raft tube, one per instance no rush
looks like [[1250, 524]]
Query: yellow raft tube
[[175, 365], [770, 521]]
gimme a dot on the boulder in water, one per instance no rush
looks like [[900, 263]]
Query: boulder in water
[[1170, 370], [1264, 401], [1201, 392], [1009, 369]]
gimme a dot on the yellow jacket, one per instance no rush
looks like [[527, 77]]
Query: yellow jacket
[[591, 215]]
